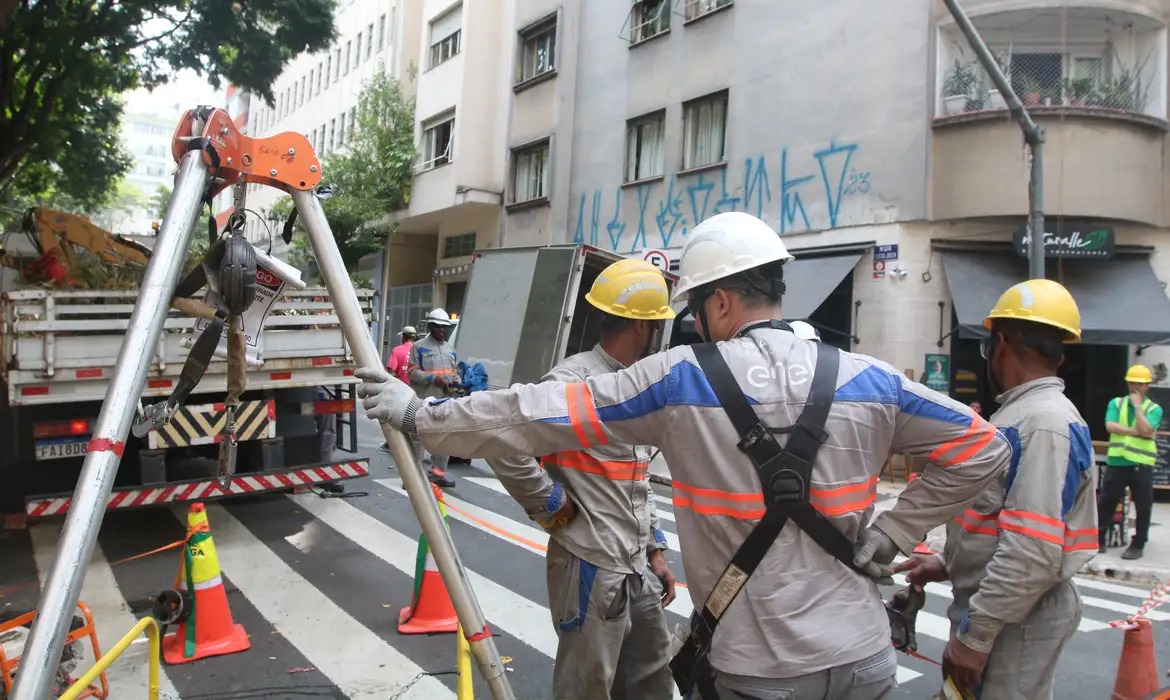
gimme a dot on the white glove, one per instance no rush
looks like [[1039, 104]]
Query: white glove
[[872, 554], [387, 399]]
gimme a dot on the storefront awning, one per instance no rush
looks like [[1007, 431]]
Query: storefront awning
[[809, 281], [1121, 301]]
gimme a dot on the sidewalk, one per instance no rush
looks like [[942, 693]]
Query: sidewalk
[[1152, 568]]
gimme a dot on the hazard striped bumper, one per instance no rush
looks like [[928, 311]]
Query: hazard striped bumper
[[203, 424], [206, 489]]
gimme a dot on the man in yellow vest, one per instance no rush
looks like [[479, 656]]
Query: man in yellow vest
[[1131, 421]]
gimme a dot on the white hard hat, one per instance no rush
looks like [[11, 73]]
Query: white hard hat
[[724, 245], [438, 317], [408, 330], [804, 331]]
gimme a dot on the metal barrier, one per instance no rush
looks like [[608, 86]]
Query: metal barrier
[[8, 666], [146, 624]]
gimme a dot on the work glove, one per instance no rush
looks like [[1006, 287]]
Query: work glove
[[872, 554], [386, 399]]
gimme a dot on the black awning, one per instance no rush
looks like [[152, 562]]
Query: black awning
[[809, 281], [1121, 301]]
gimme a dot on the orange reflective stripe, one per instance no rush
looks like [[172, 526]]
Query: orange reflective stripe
[[734, 504], [973, 521], [976, 438], [1034, 525], [1080, 540], [583, 415], [584, 462], [849, 498]]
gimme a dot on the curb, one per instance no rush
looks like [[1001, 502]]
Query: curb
[[1131, 574], [661, 480]]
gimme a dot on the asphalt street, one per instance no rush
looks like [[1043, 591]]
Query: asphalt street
[[318, 583]]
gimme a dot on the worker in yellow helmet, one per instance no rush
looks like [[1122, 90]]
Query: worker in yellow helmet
[[608, 580], [1131, 421], [1011, 556]]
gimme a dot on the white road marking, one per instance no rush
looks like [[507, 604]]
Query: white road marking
[[358, 662], [112, 616]]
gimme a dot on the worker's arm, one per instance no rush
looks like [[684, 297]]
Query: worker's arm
[[965, 454], [1041, 491], [417, 376], [1113, 418], [525, 479], [628, 406], [1146, 424]]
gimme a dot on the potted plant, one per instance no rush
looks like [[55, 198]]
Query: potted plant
[[1030, 91], [1078, 91], [959, 88]]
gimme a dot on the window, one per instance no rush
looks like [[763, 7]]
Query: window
[[704, 130], [324, 143], [538, 49], [302, 100], [649, 18], [341, 130], [459, 246], [645, 156], [310, 82], [352, 122], [438, 142], [357, 55], [698, 8], [348, 56], [381, 32], [528, 172], [369, 41], [319, 69], [328, 69], [332, 133], [337, 62], [312, 136], [446, 35]]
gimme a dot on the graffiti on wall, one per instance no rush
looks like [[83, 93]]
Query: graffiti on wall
[[799, 194]]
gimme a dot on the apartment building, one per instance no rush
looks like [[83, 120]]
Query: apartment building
[[868, 135]]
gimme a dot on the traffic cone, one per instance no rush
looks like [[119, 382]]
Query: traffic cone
[[208, 630], [923, 549], [1137, 670], [430, 608]]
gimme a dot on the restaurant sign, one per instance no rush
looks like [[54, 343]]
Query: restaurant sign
[[1069, 238]]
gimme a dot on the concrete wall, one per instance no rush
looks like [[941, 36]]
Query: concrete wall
[[412, 259], [819, 135]]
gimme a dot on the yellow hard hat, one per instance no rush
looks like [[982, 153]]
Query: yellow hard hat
[[632, 289], [1039, 301], [1139, 374]]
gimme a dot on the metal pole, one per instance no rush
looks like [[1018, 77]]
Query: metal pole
[[422, 499], [1033, 136], [62, 586]]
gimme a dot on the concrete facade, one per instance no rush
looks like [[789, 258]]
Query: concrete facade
[[841, 143]]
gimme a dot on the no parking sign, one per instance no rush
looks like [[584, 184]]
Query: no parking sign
[[658, 259]]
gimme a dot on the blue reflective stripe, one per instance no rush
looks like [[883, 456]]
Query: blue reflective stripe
[[872, 385], [555, 499], [685, 385], [659, 536], [584, 588], [1080, 460], [1013, 440]]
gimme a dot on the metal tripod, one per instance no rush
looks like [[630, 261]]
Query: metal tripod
[[213, 155]]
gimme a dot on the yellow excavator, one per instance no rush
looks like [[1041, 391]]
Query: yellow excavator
[[59, 239]]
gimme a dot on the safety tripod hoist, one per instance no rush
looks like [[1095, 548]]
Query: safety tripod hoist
[[213, 155]]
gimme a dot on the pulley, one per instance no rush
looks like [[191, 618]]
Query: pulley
[[171, 606]]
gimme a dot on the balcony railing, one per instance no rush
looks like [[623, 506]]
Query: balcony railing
[[1067, 58]]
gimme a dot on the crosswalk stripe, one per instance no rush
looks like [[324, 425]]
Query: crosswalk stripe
[[357, 661], [523, 534], [1115, 588], [101, 594]]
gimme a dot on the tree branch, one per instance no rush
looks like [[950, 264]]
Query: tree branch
[[148, 40]]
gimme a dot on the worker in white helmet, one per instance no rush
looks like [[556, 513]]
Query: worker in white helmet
[[797, 608], [434, 373], [805, 331]]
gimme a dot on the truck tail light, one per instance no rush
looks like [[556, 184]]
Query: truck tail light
[[76, 427], [338, 406]]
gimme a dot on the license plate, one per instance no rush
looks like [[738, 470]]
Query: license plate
[[61, 450]]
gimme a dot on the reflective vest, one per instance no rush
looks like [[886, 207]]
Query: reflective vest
[[1132, 448]]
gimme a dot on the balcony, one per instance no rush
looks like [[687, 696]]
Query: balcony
[[1090, 61]]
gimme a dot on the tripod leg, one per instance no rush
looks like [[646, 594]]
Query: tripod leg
[[63, 584], [422, 498]]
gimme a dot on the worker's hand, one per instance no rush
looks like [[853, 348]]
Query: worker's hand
[[963, 665], [661, 569], [922, 569], [872, 554], [561, 517], [438, 381], [385, 399], [1135, 399]]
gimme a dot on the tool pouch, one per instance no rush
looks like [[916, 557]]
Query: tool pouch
[[691, 669], [902, 611]]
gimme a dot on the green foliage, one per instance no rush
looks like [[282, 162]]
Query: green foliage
[[370, 179], [158, 202], [63, 66]]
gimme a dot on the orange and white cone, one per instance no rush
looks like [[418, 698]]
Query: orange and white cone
[[1137, 669], [430, 608], [209, 629]]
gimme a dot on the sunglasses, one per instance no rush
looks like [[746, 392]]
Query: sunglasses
[[986, 346], [696, 303]]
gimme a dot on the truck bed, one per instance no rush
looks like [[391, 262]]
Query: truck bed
[[61, 346]]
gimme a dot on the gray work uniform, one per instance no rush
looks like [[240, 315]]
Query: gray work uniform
[[430, 358], [801, 612], [1011, 555], [605, 602]]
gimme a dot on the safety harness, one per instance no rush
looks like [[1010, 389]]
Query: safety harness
[[785, 475]]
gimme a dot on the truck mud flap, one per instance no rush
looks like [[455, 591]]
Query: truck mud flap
[[206, 489]]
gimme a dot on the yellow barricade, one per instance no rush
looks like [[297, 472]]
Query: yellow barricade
[[146, 624]]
